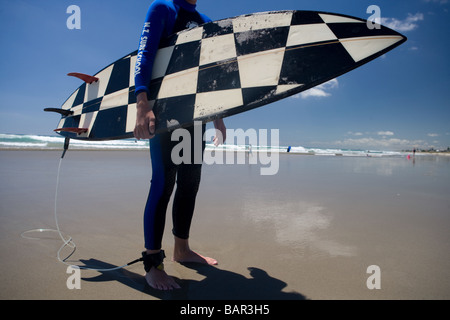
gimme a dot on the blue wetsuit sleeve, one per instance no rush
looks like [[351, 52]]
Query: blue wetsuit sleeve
[[148, 45], [205, 18]]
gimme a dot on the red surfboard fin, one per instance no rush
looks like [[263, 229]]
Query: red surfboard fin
[[75, 130], [86, 78]]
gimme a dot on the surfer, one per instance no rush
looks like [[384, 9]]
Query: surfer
[[166, 17]]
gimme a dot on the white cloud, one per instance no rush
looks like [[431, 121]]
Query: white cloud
[[320, 90], [384, 140], [385, 133], [355, 133], [408, 24]]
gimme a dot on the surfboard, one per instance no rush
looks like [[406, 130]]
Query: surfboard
[[222, 68]]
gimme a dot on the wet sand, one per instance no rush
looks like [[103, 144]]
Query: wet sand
[[309, 232]]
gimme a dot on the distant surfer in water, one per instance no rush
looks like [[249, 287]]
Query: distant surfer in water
[[164, 18]]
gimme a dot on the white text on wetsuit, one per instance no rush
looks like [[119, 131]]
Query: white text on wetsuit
[[142, 45]]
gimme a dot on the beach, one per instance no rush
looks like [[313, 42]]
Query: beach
[[311, 231]]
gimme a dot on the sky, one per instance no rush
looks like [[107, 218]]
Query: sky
[[398, 101]]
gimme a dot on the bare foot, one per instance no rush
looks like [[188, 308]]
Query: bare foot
[[182, 253], [191, 256], [160, 280]]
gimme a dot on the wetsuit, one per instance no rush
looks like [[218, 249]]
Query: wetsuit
[[165, 18]]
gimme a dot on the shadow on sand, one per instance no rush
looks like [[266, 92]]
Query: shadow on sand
[[217, 285]]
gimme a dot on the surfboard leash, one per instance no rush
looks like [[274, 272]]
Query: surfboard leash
[[68, 241], [66, 147]]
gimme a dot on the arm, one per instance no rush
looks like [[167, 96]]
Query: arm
[[221, 132], [148, 47], [145, 118]]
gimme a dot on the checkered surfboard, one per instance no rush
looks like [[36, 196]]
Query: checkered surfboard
[[226, 67]]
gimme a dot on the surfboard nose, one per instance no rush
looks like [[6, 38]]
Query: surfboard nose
[[402, 38], [363, 39]]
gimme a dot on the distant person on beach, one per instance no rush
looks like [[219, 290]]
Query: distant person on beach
[[164, 18]]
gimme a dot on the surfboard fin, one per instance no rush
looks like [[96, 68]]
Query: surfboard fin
[[63, 112], [86, 78], [75, 130]]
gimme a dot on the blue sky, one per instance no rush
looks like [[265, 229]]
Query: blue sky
[[401, 100]]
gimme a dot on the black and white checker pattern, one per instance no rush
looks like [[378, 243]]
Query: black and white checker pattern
[[226, 67]]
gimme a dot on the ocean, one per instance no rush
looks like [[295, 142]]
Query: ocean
[[43, 142]]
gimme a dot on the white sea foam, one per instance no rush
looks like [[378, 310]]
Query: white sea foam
[[42, 142], [11, 141]]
